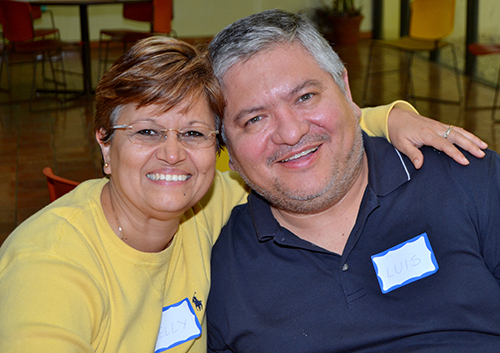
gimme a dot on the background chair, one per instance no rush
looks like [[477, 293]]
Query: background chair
[[158, 13], [19, 32], [36, 13], [430, 22], [58, 186], [481, 49]]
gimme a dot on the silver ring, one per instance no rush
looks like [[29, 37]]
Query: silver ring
[[447, 133]]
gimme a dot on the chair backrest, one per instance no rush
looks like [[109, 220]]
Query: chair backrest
[[17, 21], [432, 19], [159, 12], [140, 11], [163, 15], [58, 186], [36, 11]]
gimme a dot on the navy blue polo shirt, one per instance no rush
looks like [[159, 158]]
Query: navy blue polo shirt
[[274, 292]]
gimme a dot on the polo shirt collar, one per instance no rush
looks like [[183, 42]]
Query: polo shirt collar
[[388, 169]]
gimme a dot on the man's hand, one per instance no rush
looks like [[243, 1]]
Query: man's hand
[[408, 131]]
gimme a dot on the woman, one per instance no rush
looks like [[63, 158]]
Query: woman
[[122, 265]]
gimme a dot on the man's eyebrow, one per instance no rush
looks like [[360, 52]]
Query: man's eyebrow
[[305, 84], [246, 112]]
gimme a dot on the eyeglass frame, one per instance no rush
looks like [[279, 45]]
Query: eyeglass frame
[[164, 136]]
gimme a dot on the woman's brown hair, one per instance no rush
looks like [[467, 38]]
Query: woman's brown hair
[[158, 71]]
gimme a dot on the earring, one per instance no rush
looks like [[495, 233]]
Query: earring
[[106, 165]]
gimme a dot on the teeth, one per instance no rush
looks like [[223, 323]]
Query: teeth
[[302, 154], [167, 177]]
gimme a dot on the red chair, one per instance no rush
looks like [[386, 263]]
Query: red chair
[[158, 13], [18, 30], [58, 186], [481, 49], [36, 13]]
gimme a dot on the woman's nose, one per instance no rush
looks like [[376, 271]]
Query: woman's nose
[[171, 149]]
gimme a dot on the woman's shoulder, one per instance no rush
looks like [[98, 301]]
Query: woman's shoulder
[[71, 218]]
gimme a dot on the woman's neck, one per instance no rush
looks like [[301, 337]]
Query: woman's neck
[[140, 231]]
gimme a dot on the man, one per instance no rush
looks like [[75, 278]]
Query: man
[[343, 246]]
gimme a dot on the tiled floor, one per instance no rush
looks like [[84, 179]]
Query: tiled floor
[[58, 135]]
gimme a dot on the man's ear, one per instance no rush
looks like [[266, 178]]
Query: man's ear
[[230, 162], [357, 109], [99, 135]]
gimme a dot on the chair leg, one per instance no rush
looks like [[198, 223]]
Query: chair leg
[[468, 91], [103, 62], [7, 66], [367, 74], [33, 85], [495, 100], [457, 75], [2, 63], [100, 56], [63, 71], [106, 58], [44, 77], [494, 121], [5, 61], [54, 77], [409, 90]]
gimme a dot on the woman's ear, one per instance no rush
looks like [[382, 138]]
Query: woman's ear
[[99, 135]]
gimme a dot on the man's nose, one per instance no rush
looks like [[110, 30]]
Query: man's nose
[[290, 127]]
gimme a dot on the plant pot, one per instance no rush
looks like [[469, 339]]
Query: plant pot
[[345, 30]]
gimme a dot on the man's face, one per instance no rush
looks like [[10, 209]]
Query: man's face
[[293, 135]]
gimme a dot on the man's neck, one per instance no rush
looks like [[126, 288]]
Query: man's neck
[[330, 228]]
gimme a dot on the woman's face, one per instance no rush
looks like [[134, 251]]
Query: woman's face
[[166, 179]]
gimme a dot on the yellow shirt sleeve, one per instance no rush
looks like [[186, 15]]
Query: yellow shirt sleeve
[[374, 120]]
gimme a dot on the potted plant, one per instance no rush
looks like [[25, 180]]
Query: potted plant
[[339, 21]]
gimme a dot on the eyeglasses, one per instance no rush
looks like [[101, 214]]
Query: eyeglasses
[[149, 134]]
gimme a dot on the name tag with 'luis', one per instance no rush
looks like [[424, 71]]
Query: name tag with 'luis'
[[405, 263]]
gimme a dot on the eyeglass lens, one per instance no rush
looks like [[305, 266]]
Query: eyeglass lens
[[151, 134]]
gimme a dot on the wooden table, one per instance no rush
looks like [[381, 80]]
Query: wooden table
[[84, 31]]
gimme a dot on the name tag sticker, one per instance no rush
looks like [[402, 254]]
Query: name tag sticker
[[405, 263], [179, 324]]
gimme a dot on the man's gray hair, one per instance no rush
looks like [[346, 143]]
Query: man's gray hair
[[264, 30]]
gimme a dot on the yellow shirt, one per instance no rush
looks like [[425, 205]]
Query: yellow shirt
[[69, 284]]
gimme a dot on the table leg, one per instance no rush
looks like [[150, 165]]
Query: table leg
[[84, 32], [471, 35]]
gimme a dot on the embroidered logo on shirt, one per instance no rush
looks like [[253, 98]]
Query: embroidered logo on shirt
[[197, 303]]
